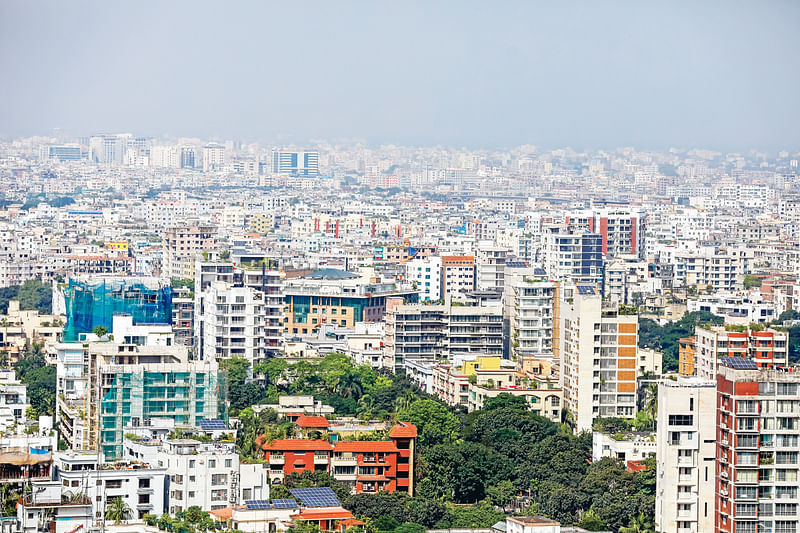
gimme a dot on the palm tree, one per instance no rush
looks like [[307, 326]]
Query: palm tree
[[350, 386], [638, 524], [118, 511], [402, 403]]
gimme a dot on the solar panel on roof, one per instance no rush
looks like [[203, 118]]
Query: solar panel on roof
[[539, 271], [316, 497], [257, 504], [212, 424], [287, 503], [585, 289], [738, 363]]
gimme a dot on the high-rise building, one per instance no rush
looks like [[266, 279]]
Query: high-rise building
[[233, 321], [622, 231], [295, 163], [598, 355], [109, 149], [758, 431], [767, 347], [685, 452], [574, 257], [188, 157], [530, 304], [213, 157]]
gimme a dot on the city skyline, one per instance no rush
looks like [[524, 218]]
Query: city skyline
[[583, 76]]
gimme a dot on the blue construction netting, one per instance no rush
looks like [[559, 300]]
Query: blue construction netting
[[94, 304]]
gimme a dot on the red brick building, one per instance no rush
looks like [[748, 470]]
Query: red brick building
[[369, 466]]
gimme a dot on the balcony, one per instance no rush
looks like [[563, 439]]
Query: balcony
[[276, 459], [344, 461], [321, 459]]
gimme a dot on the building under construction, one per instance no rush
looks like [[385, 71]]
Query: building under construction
[[91, 302]]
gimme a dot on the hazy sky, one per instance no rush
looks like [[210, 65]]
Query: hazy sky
[[489, 74]]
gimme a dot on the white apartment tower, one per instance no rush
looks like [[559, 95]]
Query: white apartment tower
[[686, 447]]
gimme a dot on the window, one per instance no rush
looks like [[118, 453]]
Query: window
[[212, 463], [681, 420], [114, 484], [228, 463], [144, 483]]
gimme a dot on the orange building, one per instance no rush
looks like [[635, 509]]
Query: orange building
[[368, 466], [687, 347]]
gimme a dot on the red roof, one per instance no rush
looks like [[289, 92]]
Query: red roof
[[306, 421], [365, 446], [403, 430], [332, 513], [289, 445]]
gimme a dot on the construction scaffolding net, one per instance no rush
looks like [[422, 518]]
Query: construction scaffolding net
[[89, 305]]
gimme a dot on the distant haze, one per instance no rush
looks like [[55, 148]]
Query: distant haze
[[594, 74]]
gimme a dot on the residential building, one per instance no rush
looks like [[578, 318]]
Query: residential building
[[767, 347], [213, 157], [598, 355], [367, 466], [182, 245], [574, 257], [206, 475], [51, 507], [141, 486], [425, 274], [458, 275], [443, 332], [233, 321], [531, 308], [756, 484], [685, 455]]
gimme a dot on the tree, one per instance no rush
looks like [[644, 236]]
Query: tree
[[118, 511], [41, 384], [350, 386], [639, 524], [100, 331], [505, 400], [501, 493], [591, 522], [386, 523], [435, 424]]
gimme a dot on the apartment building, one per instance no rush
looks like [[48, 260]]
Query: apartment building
[[490, 268], [255, 272], [574, 257], [233, 320], [532, 312], [181, 245], [206, 475], [758, 428], [715, 268], [685, 455], [458, 274], [426, 276], [331, 296], [142, 486], [367, 466], [440, 332], [598, 354], [105, 386], [622, 231], [767, 347]]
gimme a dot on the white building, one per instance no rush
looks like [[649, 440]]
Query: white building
[[686, 437], [232, 322], [427, 275], [141, 486], [208, 475]]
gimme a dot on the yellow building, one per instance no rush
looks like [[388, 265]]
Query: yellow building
[[686, 356]]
